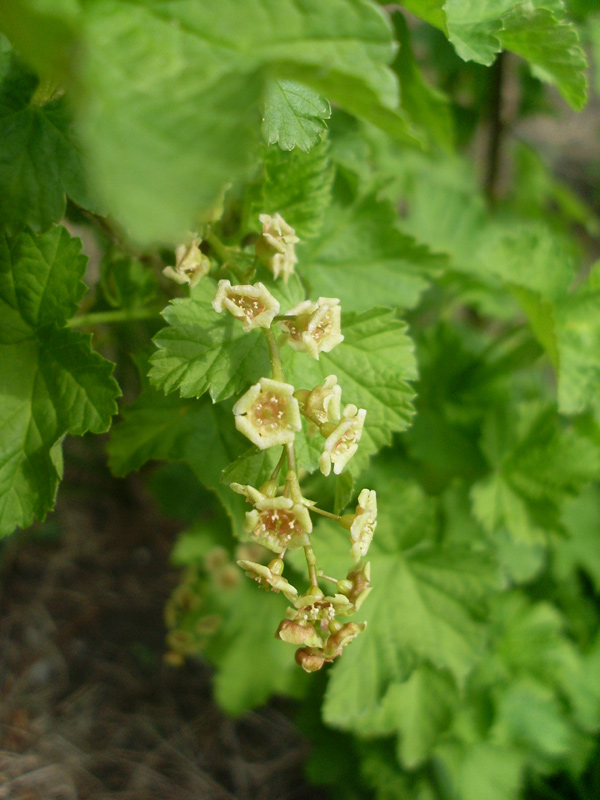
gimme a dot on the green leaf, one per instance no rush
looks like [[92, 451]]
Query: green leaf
[[426, 106], [125, 282], [362, 258], [577, 321], [529, 714], [481, 769], [373, 365], [252, 663], [53, 384], [580, 549], [177, 86], [420, 709], [40, 162], [297, 185], [525, 492], [169, 428], [538, 31], [431, 11], [202, 350], [293, 115], [424, 606]]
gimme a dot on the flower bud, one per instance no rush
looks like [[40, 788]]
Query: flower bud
[[343, 637], [298, 633], [309, 660]]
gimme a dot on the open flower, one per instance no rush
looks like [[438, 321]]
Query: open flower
[[279, 524], [275, 247], [253, 304], [314, 327], [365, 522], [190, 264], [268, 414], [342, 442], [270, 577]]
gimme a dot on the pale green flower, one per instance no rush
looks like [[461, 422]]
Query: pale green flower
[[269, 577], [277, 525], [253, 304], [191, 265], [342, 442], [268, 414], [314, 327], [275, 247], [365, 522], [322, 404]]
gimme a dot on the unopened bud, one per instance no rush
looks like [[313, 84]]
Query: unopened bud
[[298, 633], [276, 566], [310, 661]]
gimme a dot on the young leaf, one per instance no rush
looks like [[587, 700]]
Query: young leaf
[[52, 384], [293, 115], [297, 185]]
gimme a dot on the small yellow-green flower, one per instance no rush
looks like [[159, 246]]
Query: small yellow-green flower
[[294, 632], [270, 577], [275, 247], [365, 522], [321, 405], [191, 265], [342, 442], [357, 585], [314, 327], [279, 524], [253, 304], [268, 414]]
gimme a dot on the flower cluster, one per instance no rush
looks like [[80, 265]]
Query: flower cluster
[[270, 414]]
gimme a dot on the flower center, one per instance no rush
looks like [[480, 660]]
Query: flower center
[[269, 412], [279, 523], [251, 306]]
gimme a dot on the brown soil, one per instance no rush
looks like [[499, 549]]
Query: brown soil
[[88, 708]]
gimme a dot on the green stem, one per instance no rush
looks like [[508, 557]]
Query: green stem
[[311, 562], [275, 357], [279, 465], [324, 513], [221, 251], [327, 577], [118, 315]]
